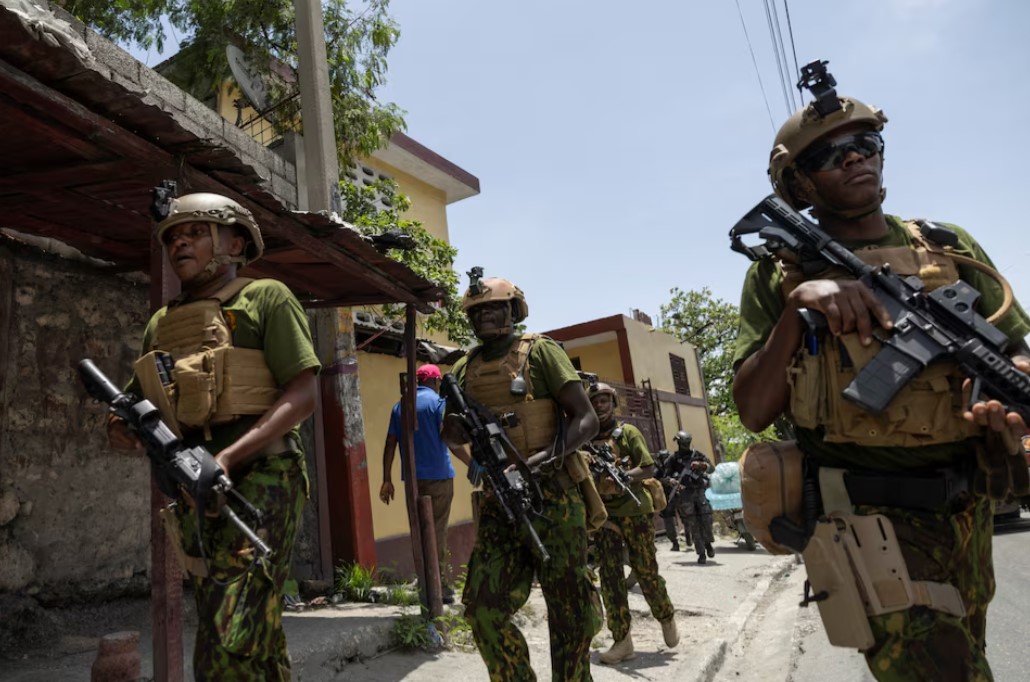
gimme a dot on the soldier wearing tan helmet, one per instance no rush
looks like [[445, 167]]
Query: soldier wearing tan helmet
[[529, 384], [914, 463], [231, 366], [628, 532]]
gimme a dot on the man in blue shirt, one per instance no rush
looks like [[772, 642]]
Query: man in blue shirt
[[433, 470]]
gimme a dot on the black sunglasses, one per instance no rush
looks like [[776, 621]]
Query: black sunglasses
[[832, 154]]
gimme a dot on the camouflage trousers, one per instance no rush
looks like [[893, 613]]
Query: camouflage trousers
[[951, 547], [695, 513], [635, 534], [500, 577], [239, 607]]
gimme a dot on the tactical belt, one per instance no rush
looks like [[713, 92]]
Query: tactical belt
[[930, 491]]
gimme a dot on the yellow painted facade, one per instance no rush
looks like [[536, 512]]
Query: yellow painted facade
[[649, 353]]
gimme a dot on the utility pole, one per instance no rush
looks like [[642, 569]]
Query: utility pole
[[321, 165], [341, 460]]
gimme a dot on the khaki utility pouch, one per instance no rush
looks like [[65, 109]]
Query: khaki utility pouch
[[771, 477], [654, 486], [856, 569], [577, 470]]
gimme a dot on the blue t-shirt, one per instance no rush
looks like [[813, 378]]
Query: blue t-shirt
[[432, 458]]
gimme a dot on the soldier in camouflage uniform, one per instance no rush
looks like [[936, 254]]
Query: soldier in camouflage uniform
[[255, 440], [927, 451], [530, 381], [629, 529]]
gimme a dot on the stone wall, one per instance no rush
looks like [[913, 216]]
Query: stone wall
[[74, 519]]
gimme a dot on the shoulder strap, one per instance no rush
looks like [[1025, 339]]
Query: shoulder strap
[[230, 290]]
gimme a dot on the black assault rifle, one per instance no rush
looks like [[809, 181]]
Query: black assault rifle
[[697, 476], [928, 327], [603, 462], [515, 489], [177, 468]]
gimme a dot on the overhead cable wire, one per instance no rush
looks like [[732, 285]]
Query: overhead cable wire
[[797, 70], [788, 78], [779, 62], [755, 62]]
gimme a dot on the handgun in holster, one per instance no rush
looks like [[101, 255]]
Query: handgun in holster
[[856, 569]]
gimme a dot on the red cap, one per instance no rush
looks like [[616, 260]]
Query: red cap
[[428, 372]]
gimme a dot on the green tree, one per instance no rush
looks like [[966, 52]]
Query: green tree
[[709, 325], [357, 42], [378, 208]]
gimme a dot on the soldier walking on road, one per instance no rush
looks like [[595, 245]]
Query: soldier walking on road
[[688, 478], [528, 382], [922, 472], [629, 529]]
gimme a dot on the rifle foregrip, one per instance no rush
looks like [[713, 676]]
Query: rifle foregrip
[[879, 381]]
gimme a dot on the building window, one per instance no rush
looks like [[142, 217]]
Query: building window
[[679, 374], [577, 364]]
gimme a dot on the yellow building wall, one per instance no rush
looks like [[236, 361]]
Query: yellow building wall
[[380, 391], [601, 358], [649, 351]]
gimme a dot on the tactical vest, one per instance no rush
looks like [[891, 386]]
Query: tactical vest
[[927, 411], [194, 374], [531, 424]]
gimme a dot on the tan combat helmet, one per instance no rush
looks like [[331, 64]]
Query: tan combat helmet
[[601, 388], [494, 289], [824, 115], [214, 208]]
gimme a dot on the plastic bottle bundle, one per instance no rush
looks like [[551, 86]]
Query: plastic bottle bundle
[[724, 487]]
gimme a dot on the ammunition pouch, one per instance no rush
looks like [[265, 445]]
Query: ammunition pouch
[[771, 491], [657, 490], [856, 569], [578, 473]]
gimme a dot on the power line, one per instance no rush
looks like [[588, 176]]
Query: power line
[[779, 63], [797, 71], [783, 51], [755, 62]]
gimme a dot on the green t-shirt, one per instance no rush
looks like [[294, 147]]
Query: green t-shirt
[[265, 315], [549, 366], [631, 444], [762, 303]]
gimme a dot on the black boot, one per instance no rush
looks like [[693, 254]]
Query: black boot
[[701, 558], [709, 549], [675, 546]]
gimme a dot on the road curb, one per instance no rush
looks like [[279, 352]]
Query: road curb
[[714, 653]]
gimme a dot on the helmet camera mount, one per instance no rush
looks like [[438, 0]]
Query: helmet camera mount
[[820, 82]]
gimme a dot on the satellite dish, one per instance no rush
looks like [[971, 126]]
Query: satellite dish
[[247, 77]]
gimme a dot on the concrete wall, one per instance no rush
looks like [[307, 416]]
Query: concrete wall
[[73, 514], [598, 354]]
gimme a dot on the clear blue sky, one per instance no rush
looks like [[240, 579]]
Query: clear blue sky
[[617, 142]]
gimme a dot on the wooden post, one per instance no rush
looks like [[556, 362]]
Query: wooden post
[[165, 577], [411, 496]]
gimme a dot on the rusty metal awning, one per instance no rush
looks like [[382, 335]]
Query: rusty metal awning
[[87, 132]]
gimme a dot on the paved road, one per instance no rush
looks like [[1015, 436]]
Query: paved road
[[784, 642]]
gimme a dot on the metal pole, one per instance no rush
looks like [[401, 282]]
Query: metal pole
[[321, 165], [411, 496]]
